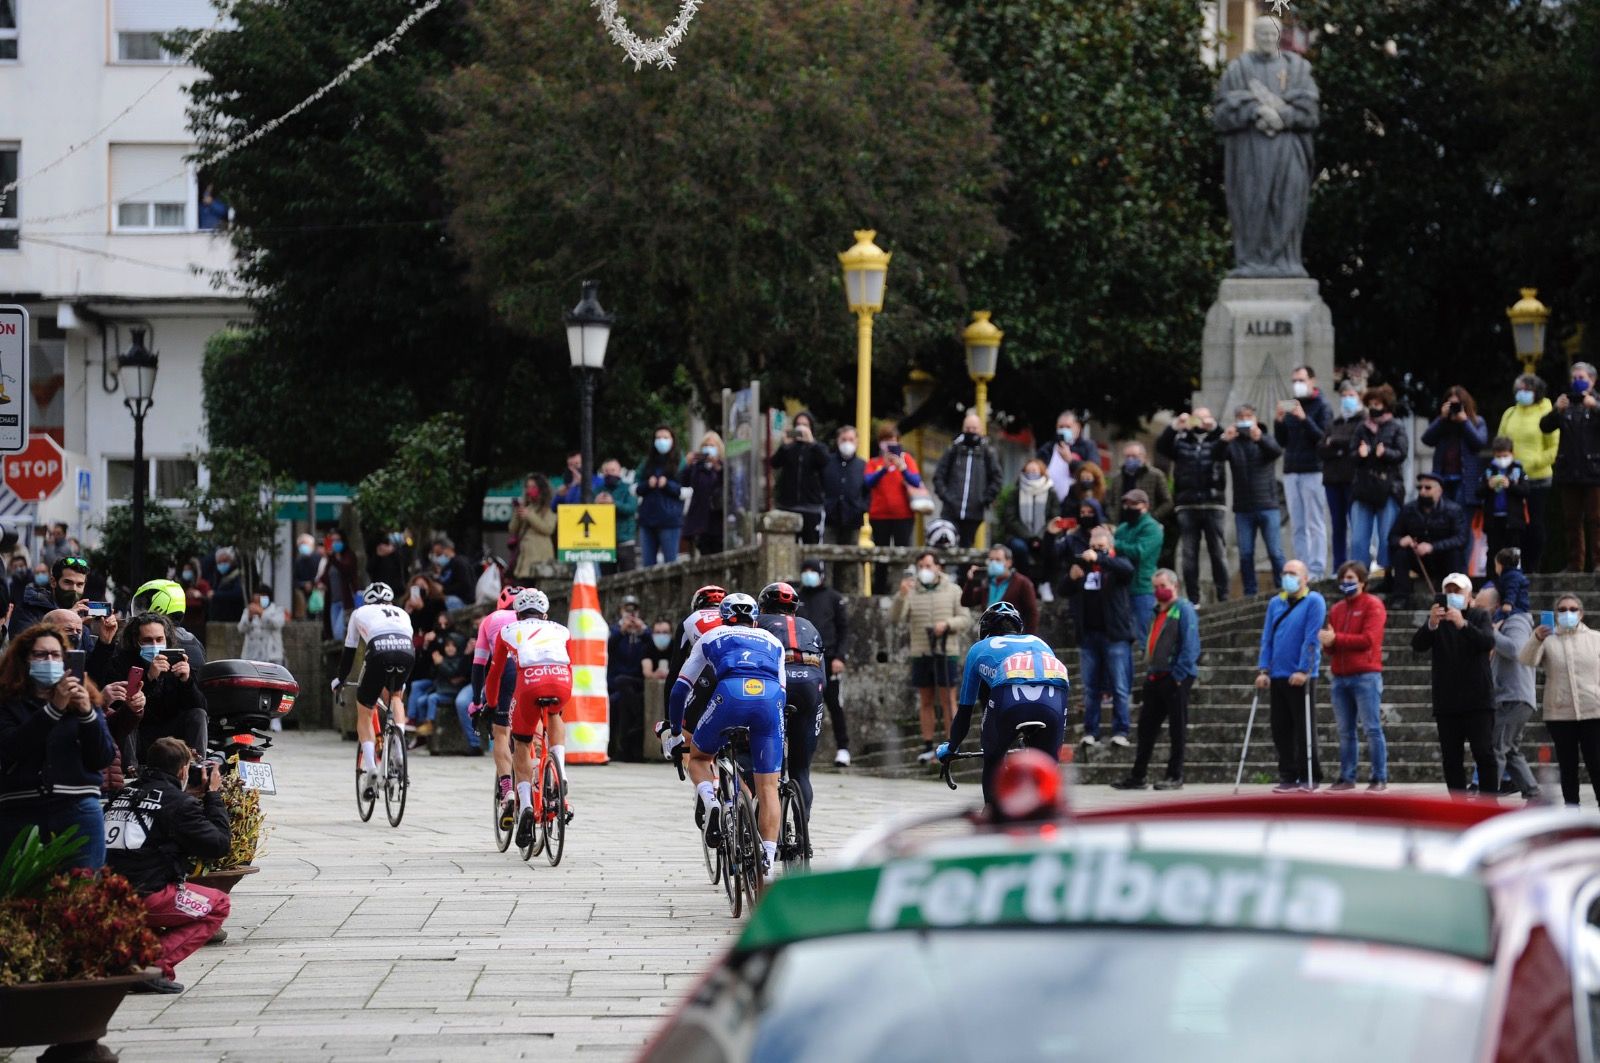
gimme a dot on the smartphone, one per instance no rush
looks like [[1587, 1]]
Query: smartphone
[[1441, 601], [135, 680], [1548, 619], [98, 608], [896, 449], [174, 656], [76, 660]]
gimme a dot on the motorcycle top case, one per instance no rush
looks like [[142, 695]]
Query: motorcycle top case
[[247, 693]]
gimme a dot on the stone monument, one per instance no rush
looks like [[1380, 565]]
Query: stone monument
[[1268, 317]]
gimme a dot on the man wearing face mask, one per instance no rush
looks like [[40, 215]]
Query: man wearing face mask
[[452, 572], [1139, 539], [1097, 589], [62, 589], [626, 653], [826, 609], [307, 559], [1137, 474], [1299, 427], [998, 581], [1429, 539], [1172, 662], [1353, 641], [1577, 470], [844, 490], [227, 594], [967, 479], [1461, 638], [1291, 654], [1536, 448], [1070, 447], [1337, 449], [929, 605], [1194, 445], [1253, 456]]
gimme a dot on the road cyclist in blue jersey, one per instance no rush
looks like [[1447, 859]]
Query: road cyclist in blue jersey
[[1019, 681]]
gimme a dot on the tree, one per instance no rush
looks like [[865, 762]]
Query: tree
[[424, 485], [170, 539], [711, 200], [240, 502]]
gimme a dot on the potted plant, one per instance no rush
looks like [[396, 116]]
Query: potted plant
[[71, 946], [247, 826]]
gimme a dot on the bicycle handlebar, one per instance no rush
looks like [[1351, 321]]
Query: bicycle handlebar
[[677, 754], [944, 769]]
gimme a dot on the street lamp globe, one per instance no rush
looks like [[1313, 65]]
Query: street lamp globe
[[866, 271], [1528, 319], [136, 367], [588, 329], [982, 340]]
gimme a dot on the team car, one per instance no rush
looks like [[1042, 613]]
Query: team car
[[1388, 928]]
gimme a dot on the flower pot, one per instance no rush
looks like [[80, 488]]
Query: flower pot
[[223, 880], [63, 1013]]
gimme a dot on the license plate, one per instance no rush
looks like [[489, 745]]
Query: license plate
[[257, 775]]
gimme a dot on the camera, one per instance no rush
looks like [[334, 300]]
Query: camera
[[1455, 408], [197, 777]]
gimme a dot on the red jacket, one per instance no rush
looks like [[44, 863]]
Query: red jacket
[[1357, 624]]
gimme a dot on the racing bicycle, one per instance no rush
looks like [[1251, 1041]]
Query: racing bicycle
[[550, 815], [393, 779], [1024, 729]]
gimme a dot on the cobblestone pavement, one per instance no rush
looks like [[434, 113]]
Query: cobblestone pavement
[[358, 941]]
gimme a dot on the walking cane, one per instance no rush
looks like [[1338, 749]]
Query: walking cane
[[1311, 782], [1248, 727]]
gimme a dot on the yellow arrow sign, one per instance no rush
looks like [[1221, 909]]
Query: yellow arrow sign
[[587, 532]]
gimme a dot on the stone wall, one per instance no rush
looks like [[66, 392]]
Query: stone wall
[[311, 661]]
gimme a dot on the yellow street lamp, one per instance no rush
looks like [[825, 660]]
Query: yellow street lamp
[[866, 272], [983, 357], [1528, 319]]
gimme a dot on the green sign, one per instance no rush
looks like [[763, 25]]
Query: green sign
[[1099, 886]]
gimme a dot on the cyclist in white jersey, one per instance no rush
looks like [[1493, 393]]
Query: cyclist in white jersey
[[537, 648], [386, 666]]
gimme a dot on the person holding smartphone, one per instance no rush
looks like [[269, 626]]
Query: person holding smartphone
[[891, 476], [799, 464], [174, 704]]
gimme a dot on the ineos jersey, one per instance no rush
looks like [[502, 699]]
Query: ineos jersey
[[377, 623], [802, 645]]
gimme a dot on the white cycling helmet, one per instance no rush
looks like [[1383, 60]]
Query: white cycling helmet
[[531, 600], [378, 594]]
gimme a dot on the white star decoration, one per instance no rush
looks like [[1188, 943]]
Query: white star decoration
[[1279, 7]]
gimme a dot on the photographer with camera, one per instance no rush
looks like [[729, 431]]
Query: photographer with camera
[[174, 704], [799, 463], [1577, 470], [169, 817]]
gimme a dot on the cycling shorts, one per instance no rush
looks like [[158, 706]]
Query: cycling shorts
[[740, 701], [534, 682], [508, 694], [805, 685], [387, 666]]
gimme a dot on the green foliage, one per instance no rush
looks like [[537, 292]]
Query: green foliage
[[424, 484], [169, 540], [240, 500], [29, 862]]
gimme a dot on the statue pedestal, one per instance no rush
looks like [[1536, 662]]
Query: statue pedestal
[[1257, 332]]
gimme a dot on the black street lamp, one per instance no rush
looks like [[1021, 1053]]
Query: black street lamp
[[588, 332], [136, 367]]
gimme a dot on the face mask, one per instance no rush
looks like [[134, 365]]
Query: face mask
[[1067, 435], [1131, 467], [1290, 583], [338, 548], [223, 568], [663, 445], [187, 575], [662, 641], [1567, 620], [305, 549], [264, 600], [1164, 594], [1131, 514], [439, 560], [997, 569], [40, 579], [611, 481], [1349, 405], [1245, 426], [1087, 520], [927, 577], [66, 599], [1580, 385], [810, 579], [1524, 397], [847, 450], [150, 653], [1456, 601], [46, 673], [1087, 481], [1349, 588], [1300, 388], [1505, 462], [1375, 412], [709, 452]]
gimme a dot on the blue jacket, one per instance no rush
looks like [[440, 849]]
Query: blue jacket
[[1291, 645], [659, 507], [1185, 663], [1471, 437]]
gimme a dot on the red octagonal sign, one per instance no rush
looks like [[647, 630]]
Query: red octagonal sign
[[35, 473]]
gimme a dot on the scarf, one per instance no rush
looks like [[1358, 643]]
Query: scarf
[[1032, 502]]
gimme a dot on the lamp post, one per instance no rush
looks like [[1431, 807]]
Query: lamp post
[[982, 340], [1528, 319], [588, 333], [136, 366], [866, 271]]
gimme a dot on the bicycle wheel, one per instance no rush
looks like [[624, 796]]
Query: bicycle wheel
[[364, 803], [505, 823], [554, 825], [394, 774], [749, 850], [794, 837], [727, 857]]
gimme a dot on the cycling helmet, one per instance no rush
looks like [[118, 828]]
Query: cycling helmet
[[378, 594], [942, 535], [738, 609], [530, 601], [507, 595], [1001, 618], [779, 598], [161, 596], [707, 596]]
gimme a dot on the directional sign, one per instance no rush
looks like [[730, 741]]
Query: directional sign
[[36, 473], [13, 379], [587, 532]]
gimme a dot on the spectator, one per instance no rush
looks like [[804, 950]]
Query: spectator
[[891, 477], [80, 635], [307, 560], [1291, 654], [1429, 539], [213, 212], [1536, 447], [196, 593], [166, 598], [1514, 696], [1139, 538], [1461, 640], [1458, 436], [1576, 418], [163, 828], [658, 661], [1172, 661], [122, 714], [385, 564], [825, 608], [967, 480], [21, 577], [799, 463], [999, 581], [1031, 525], [930, 607], [627, 504], [571, 481], [660, 500], [338, 578], [1338, 450], [1252, 456], [452, 667], [702, 474], [1071, 448], [1299, 427], [627, 650], [53, 544], [262, 628], [1379, 485], [453, 574], [1199, 456], [1097, 587], [1353, 640], [844, 490], [1136, 473], [53, 746], [1503, 493], [533, 528], [1089, 482], [63, 589], [227, 597], [174, 704], [425, 602], [1571, 692], [1510, 582]]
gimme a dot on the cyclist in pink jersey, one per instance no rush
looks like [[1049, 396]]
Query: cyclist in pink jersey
[[483, 650]]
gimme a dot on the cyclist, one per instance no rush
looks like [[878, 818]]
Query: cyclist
[[542, 670], [1019, 680], [500, 721], [704, 614], [745, 666], [385, 632], [803, 666]]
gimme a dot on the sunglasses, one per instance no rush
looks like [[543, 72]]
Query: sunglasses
[[78, 564]]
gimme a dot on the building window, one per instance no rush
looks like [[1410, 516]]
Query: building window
[[153, 188], [141, 24], [9, 223], [8, 29], [169, 479], [142, 46]]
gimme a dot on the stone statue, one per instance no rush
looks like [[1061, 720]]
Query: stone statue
[[1266, 108]]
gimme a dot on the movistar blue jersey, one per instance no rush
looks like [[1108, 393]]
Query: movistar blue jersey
[[1007, 660], [727, 653]]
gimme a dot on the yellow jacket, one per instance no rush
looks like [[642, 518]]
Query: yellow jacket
[[1535, 449]]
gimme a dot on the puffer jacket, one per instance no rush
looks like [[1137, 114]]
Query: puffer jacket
[[1468, 438], [1571, 673], [1578, 455], [926, 606], [1199, 466], [1255, 474], [1384, 470], [1536, 446], [967, 479]]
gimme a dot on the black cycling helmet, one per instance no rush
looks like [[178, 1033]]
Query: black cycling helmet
[[738, 609], [779, 598], [707, 596], [1001, 618]]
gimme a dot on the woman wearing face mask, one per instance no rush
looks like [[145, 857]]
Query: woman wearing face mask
[[1379, 479], [337, 578], [929, 605], [533, 526], [1535, 447], [702, 474], [1458, 437], [1031, 524], [660, 500], [1353, 641], [54, 745], [1089, 481], [227, 595], [174, 704], [1338, 450], [1577, 470], [1570, 656], [262, 628], [845, 497], [658, 658]]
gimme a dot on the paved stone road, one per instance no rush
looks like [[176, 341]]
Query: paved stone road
[[358, 941]]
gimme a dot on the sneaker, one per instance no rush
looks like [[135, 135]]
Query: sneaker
[[1377, 786], [769, 870], [1130, 783], [1169, 784], [157, 985], [525, 828], [425, 728], [713, 831], [1046, 593], [219, 937], [1089, 741], [1342, 785], [1120, 741], [1531, 794], [841, 759], [1376, 571], [926, 756], [369, 784], [1286, 788]]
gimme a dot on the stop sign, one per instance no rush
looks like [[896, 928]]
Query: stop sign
[[35, 472]]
